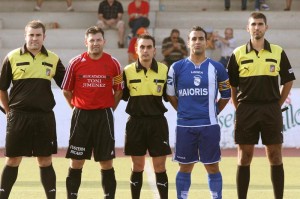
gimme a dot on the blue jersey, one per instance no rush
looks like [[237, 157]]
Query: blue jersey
[[196, 88]]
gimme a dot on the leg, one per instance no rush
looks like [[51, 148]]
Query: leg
[[69, 6], [257, 5], [9, 175], [109, 183], [214, 180], [48, 177], [136, 179], [245, 155], [227, 4], [138, 23], [73, 180], [244, 4], [288, 5], [183, 180], [277, 172], [121, 32], [159, 165], [38, 5]]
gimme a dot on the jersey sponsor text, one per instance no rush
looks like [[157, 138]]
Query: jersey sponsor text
[[193, 92]]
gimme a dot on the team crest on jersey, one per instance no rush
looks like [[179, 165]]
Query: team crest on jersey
[[48, 72], [197, 80], [272, 68], [158, 88]]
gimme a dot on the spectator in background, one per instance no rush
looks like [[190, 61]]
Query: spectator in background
[[227, 44], [173, 48], [210, 43], [40, 2], [259, 4], [138, 11], [110, 13], [132, 55], [288, 5]]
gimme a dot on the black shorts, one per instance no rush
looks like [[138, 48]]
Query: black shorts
[[30, 134], [147, 133], [255, 120], [92, 131]]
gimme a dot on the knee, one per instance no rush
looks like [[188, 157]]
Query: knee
[[275, 159], [212, 168], [44, 161], [13, 162], [245, 159], [159, 168], [76, 164], [186, 168], [100, 24], [138, 166]]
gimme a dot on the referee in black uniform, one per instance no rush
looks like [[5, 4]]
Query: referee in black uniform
[[31, 128], [254, 70], [147, 127]]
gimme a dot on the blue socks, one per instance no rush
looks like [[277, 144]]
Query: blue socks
[[183, 183], [215, 185]]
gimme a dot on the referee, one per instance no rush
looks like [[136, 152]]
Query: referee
[[31, 128], [147, 127], [254, 70]]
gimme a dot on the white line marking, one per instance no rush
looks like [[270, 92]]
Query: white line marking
[[151, 178]]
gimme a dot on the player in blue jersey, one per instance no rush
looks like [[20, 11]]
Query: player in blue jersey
[[193, 86]]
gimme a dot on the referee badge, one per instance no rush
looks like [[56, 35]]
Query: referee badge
[[48, 72], [272, 68], [158, 88]]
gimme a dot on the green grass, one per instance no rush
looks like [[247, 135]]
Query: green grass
[[28, 183]]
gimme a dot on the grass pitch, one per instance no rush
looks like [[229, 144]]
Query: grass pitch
[[28, 183]]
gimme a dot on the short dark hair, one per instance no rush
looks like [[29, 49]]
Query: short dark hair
[[175, 31], [94, 30], [198, 28], [258, 15], [35, 24], [147, 36]]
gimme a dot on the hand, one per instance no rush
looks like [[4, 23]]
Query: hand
[[176, 45], [111, 22]]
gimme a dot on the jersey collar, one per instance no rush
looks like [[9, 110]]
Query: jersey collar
[[153, 67], [24, 50], [267, 46]]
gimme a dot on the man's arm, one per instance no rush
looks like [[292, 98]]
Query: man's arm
[[4, 100], [222, 103], [174, 101], [68, 95], [120, 15], [117, 96], [234, 96], [284, 91], [59, 74]]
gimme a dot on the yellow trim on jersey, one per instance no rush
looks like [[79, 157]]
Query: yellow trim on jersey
[[24, 66], [225, 85], [118, 79], [151, 83], [266, 63]]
